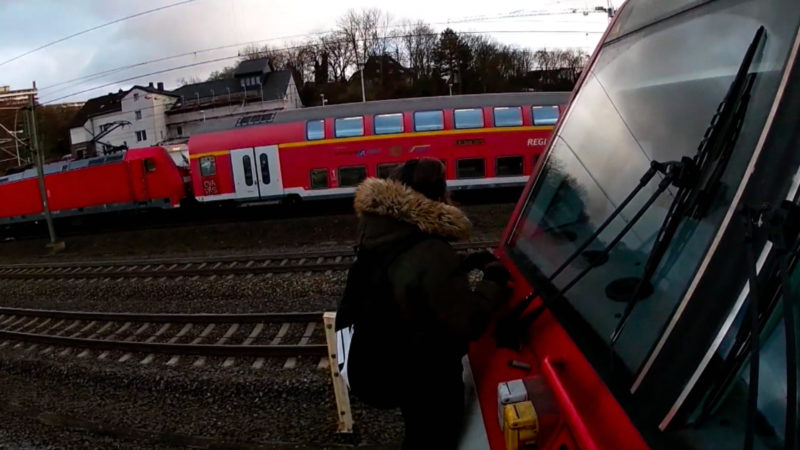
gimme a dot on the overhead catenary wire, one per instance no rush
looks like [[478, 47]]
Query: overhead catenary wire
[[513, 14], [231, 57], [97, 27]]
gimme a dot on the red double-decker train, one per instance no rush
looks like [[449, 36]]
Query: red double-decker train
[[489, 140], [484, 140], [656, 253]]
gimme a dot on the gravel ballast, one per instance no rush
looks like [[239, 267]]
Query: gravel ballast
[[56, 401]]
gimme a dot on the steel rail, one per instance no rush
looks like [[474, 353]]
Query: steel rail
[[166, 318], [174, 349]]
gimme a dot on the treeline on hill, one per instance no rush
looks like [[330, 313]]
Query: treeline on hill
[[410, 59]]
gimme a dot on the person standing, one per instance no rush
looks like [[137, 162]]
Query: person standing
[[420, 313]]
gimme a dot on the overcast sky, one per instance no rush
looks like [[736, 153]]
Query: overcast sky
[[204, 24]]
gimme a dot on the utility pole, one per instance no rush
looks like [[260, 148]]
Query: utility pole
[[363, 92], [39, 158]]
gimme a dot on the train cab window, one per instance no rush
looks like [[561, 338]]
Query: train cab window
[[352, 176], [349, 127], [545, 115], [319, 179], [508, 117], [470, 168], [388, 123], [208, 166], [149, 165], [264, 163], [315, 130], [509, 166], [385, 170], [428, 120], [247, 167], [468, 118]]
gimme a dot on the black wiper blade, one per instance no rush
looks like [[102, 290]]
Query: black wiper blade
[[695, 196]]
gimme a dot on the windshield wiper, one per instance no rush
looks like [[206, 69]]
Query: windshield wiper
[[697, 180], [693, 199]]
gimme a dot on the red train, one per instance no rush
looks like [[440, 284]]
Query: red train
[[140, 178], [656, 253], [486, 141]]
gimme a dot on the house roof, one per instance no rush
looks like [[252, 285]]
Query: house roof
[[98, 105], [274, 85], [252, 66], [108, 103]]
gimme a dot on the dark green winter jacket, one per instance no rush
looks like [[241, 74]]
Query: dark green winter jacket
[[427, 279]]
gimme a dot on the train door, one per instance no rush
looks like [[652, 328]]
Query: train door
[[269, 171], [245, 177]]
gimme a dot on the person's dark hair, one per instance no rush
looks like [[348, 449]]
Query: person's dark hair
[[424, 175]]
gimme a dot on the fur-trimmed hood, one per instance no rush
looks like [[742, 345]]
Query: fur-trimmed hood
[[390, 198]]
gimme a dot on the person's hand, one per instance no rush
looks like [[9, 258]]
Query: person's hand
[[477, 260], [496, 273]]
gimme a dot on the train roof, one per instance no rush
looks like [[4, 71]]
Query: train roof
[[423, 103]]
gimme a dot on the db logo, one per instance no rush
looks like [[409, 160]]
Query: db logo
[[537, 142]]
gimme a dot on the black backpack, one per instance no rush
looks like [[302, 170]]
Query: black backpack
[[379, 351]]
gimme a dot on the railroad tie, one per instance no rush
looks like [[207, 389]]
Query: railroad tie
[[199, 362], [95, 335], [291, 362], [86, 328], [253, 335], [130, 338], [113, 336], [203, 334], [149, 358]]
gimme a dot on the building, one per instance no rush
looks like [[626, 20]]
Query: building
[[248, 98], [121, 120], [145, 116]]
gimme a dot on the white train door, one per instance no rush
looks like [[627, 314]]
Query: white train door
[[270, 184], [245, 177]]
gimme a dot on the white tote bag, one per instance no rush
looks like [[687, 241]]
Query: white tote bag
[[343, 339]]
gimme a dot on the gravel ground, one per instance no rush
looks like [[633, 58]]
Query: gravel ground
[[250, 237], [60, 403], [276, 293], [52, 401]]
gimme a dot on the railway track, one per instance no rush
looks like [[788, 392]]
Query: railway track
[[315, 261], [170, 339]]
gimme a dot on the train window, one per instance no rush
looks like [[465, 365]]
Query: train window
[[509, 166], [319, 179], [3, 180], [351, 176], [349, 127], [470, 168], [264, 162], [247, 166], [388, 123], [508, 117], [385, 170], [208, 166], [545, 115], [149, 165], [428, 120], [315, 130], [468, 118]]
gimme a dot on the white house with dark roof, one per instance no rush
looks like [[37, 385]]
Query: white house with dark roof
[[146, 115], [125, 119]]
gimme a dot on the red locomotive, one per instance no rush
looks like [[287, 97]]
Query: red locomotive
[[656, 253], [488, 140], [139, 178]]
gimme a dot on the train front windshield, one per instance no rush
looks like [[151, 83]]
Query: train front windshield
[[651, 95]]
